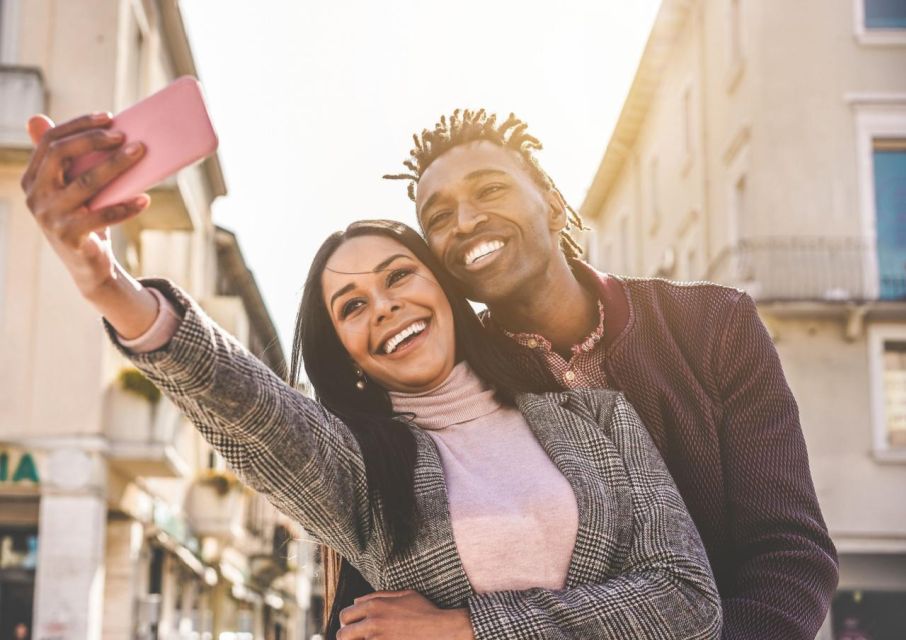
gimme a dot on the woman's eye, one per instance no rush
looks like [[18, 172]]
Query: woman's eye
[[351, 306], [397, 274]]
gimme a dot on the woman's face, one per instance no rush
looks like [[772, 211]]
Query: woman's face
[[390, 314]]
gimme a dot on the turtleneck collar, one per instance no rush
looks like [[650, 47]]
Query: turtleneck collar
[[462, 397]]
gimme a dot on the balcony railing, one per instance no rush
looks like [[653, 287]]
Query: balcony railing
[[21, 95], [804, 269]]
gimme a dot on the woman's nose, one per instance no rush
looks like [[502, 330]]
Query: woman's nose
[[385, 307]]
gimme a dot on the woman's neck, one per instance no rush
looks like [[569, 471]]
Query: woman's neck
[[462, 397]]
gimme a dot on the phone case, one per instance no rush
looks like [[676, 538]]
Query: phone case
[[175, 128]]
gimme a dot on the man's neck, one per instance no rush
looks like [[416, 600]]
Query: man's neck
[[555, 306]]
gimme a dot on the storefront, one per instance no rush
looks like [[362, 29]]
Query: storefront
[[20, 482], [870, 603]]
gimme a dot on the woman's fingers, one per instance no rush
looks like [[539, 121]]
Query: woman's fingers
[[74, 228], [87, 184], [37, 126], [43, 127]]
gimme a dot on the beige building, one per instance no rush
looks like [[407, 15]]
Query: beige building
[[763, 145], [116, 519]]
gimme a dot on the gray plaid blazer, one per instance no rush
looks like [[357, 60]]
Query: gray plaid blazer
[[638, 569]]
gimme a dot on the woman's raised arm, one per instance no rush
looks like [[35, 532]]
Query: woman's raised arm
[[281, 443]]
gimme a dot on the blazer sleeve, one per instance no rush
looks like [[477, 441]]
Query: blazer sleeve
[[787, 568], [665, 590], [279, 442]]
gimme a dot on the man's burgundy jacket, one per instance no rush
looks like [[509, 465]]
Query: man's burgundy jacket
[[698, 365]]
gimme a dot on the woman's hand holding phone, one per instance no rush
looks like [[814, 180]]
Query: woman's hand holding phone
[[79, 236]]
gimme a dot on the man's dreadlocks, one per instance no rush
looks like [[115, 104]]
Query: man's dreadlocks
[[465, 126]]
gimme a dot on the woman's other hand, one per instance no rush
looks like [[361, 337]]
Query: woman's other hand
[[402, 615], [79, 236]]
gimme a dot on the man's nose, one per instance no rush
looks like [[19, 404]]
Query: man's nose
[[468, 218]]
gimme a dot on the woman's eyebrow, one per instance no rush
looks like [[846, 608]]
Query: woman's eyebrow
[[383, 264]]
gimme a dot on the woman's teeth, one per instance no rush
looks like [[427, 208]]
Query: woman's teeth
[[414, 328], [485, 248]]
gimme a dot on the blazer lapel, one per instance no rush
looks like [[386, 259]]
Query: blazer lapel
[[434, 551], [572, 427]]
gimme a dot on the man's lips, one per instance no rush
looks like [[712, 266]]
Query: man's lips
[[479, 252]]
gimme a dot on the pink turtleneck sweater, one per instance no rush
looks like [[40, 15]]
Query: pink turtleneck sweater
[[513, 530]]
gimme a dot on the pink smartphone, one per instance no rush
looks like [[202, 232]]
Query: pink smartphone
[[175, 128]]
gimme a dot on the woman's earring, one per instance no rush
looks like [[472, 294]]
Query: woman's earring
[[360, 383]]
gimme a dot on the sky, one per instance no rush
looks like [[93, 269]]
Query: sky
[[314, 101]]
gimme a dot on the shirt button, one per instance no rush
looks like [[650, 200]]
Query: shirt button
[[532, 343], [570, 376]]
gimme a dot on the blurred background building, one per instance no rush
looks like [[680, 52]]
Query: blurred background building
[[763, 145], [116, 519]]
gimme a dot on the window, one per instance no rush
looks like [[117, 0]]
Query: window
[[885, 14], [889, 165], [735, 48], [688, 141], [887, 358], [4, 251], [739, 207], [624, 244], [881, 159], [9, 24], [653, 195], [880, 22], [691, 264], [895, 392]]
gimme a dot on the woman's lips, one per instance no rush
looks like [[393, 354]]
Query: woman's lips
[[410, 344]]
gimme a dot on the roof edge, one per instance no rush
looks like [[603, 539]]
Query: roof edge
[[667, 25]]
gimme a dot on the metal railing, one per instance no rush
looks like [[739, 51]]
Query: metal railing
[[808, 269], [21, 95]]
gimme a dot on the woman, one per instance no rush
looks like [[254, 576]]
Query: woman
[[426, 463]]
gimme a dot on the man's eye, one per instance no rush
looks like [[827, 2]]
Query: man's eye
[[351, 306], [438, 218], [396, 275], [490, 190]]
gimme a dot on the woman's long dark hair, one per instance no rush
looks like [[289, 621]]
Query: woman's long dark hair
[[387, 445]]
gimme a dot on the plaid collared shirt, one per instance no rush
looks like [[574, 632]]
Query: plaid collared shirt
[[585, 367]]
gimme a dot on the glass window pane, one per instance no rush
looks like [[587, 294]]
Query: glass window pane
[[890, 212], [895, 391], [885, 14]]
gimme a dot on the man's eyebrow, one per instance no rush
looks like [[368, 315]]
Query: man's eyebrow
[[380, 266], [478, 173]]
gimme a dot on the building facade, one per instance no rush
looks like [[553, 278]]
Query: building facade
[[116, 519], [763, 145]]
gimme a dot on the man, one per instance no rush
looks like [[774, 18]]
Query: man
[[694, 359]]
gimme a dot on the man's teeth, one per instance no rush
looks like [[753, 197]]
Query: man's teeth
[[393, 343], [475, 253]]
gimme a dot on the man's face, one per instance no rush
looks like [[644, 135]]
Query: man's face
[[490, 224]]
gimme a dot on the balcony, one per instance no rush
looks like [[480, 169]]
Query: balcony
[[809, 270], [216, 505], [142, 429], [21, 96]]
